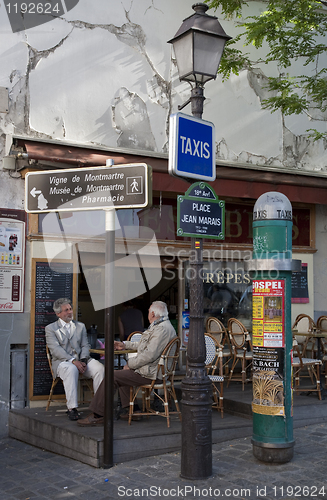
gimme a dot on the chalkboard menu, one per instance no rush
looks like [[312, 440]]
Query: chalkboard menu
[[49, 284], [300, 292]]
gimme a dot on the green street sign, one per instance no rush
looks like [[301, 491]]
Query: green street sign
[[200, 213]]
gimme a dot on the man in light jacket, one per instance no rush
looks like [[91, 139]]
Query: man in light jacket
[[141, 369], [69, 349]]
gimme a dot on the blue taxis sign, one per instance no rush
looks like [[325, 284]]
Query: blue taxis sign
[[192, 148]]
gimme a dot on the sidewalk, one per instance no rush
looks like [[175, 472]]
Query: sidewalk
[[28, 473]]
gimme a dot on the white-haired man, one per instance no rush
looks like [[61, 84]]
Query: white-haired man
[[69, 348], [140, 369]]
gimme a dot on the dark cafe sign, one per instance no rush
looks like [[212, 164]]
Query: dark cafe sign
[[200, 213]]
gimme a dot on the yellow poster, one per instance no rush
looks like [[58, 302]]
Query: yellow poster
[[257, 305], [257, 327], [273, 327]]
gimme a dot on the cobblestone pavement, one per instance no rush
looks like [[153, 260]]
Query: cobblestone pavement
[[28, 473]]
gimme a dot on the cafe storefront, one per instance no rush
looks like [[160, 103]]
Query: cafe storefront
[[226, 281], [161, 269]]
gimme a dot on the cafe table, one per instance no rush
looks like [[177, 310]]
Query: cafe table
[[118, 353]]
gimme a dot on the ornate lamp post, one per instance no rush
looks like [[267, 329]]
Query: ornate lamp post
[[198, 45]]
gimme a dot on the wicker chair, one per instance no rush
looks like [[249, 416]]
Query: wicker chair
[[306, 344], [134, 336], [322, 323], [242, 349], [214, 366], [322, 327], [302, 364], [166, 370], [215, 328], [55, 380]]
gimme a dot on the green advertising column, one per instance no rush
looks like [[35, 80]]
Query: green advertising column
[[271, 270]]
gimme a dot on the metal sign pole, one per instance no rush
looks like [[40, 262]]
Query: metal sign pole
[[196, 458], [108, 460], [109, 340]]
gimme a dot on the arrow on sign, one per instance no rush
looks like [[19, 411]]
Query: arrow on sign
[[34, 192]]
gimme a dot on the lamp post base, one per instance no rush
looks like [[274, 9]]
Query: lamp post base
[[196, 458]]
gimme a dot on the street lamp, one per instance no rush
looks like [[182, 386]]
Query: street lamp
[[198, 45]]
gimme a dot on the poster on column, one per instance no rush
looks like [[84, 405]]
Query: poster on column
[[268, 346], [12, 253]]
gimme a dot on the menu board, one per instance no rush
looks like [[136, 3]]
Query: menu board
[[300, 292], [50, 282]]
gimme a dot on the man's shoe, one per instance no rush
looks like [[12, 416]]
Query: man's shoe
[[91, 421], [73, 414], [124, 415]]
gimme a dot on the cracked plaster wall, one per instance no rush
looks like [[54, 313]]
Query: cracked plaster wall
[[103, 75]]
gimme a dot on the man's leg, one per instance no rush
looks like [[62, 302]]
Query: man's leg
[[95, 371], [69, 376], [123, 380], [97, 403]]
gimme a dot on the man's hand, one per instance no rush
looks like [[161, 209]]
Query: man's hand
[[119, 346], [80, 366], [126, 367]]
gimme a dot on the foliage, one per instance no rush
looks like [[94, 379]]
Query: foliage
[[288, 31]]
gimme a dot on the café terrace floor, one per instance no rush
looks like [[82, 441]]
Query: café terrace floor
[[52, 431]]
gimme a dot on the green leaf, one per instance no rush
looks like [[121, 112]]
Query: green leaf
[[287, 31]]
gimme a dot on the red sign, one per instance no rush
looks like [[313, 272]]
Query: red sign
[[268, 313]]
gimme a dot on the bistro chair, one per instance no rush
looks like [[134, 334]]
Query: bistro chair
[[299, 365], [216, 328], [166, 368], [214, 367], [322, 323], [240, 340], [55, 380], [322, 327], [306, 344], [133, 337]]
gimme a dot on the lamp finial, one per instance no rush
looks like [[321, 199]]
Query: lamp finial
[[200, 8]]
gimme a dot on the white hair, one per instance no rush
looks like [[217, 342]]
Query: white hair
[[60, 302], [159, 308]]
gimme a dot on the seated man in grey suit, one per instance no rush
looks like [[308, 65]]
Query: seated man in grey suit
[[69, 348]]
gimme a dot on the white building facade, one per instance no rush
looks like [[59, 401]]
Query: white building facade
[[100, 81]]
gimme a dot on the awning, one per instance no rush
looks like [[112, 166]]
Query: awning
[[232, 181]]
